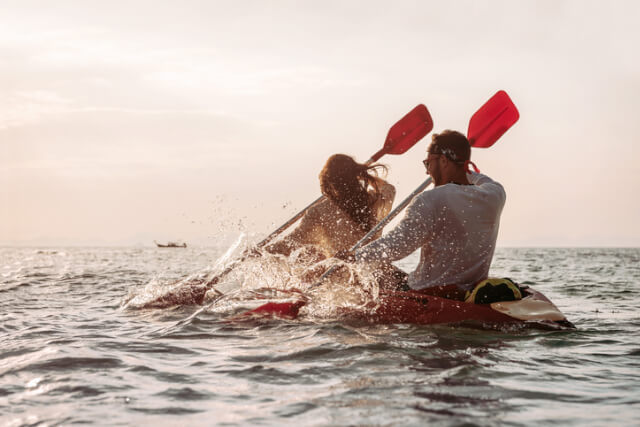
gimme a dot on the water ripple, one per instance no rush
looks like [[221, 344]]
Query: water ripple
[[72, 354]]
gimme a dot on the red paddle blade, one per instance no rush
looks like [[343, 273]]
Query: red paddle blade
[[287, 310], [492, 120], [406, 132]]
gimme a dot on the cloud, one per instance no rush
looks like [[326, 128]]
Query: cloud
[[22, 107], [249, 100]]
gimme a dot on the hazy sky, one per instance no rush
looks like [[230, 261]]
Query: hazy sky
[[127, 121]]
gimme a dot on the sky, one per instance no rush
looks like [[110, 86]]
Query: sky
[[122, 122]]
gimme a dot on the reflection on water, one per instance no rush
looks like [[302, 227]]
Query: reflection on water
[[74, 349]]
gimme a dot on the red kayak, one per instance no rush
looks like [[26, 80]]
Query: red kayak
[[415, 307]]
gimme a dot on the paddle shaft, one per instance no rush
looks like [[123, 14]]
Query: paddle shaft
[[378, 227]]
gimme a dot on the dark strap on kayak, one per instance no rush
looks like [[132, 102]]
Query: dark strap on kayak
[[494, 290]]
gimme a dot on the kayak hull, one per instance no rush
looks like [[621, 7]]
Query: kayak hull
[[415, 307]]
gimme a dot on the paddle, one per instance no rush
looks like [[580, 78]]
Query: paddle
[[403, 135], [492, 120], [486, 126]]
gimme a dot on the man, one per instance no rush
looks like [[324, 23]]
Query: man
[[455, 224]]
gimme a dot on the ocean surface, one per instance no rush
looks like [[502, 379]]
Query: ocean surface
[[77, 347]]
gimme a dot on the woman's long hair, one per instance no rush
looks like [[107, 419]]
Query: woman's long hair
[[345, 182]]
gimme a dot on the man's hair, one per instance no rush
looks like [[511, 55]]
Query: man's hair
[[452, 144]]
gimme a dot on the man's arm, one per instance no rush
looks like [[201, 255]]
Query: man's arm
[[412, 232]]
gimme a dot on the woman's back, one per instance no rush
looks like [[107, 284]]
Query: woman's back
[[331, 229]]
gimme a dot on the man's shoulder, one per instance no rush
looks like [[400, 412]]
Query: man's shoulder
[[438, 196], [428, 199], [436, 192], [489, 186]]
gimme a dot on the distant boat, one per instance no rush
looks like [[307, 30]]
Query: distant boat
[[170, 245]]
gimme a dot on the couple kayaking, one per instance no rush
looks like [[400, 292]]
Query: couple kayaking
[[455, 224]]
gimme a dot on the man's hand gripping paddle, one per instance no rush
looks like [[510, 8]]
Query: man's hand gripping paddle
[[403, 135], [486, 126]]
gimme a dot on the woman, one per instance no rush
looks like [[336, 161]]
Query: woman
[[356, 200]]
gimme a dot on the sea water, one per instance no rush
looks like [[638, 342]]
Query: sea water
[[74, 350]]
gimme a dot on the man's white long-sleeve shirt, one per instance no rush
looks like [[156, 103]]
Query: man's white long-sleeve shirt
[[456, 227]]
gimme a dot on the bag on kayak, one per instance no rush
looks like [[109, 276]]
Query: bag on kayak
[[494, 290]]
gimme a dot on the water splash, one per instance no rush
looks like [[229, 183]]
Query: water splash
[[263, 278]]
